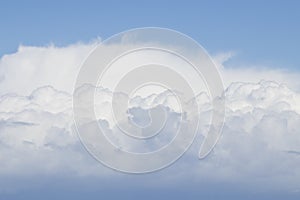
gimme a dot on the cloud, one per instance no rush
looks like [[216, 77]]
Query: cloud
[[259, 145], [32, 67], [253, 73]]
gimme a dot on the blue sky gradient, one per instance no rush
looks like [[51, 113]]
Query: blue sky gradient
[[261, 33]]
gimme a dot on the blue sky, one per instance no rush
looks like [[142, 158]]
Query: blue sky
[[261, 33]]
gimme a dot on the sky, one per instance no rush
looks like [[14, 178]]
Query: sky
[[254, 46], [260, 33]]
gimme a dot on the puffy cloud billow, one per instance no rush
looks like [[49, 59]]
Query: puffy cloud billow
[[260, 144]]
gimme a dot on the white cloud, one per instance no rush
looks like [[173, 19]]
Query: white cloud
[[32, 67], [260, 142], [254, 73]]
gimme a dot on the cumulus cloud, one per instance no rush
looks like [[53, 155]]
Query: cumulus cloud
[[254, 73], [260, 141], [32, 67]]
